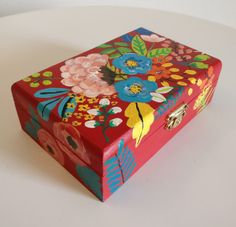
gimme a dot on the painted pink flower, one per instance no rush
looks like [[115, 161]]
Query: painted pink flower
[[153, 38], [83, 75], [71, 141], [47, 141]]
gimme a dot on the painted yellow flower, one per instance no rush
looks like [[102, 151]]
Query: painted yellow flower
[[70, 105], [88, 117], [101, 118], [96, 107], [68, 114], [65, 119], [71, 95], [80, 99], [113, 103], [92, 100], [84, 107], [78, 115], [76, 123]]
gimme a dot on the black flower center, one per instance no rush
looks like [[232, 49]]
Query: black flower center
[[50, 150], [72, 143]]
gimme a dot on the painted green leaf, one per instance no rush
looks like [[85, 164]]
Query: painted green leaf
[[121, 44], [138, 45], [90, 179], [108, 51], [124, 50], [159, 52], [120, 77], [201, 57], [198, 65], [164, 90], [105, 45], [116, 55]]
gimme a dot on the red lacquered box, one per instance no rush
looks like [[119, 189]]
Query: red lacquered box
[[103, 113]]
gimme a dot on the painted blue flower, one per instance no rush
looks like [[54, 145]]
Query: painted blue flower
[[132, 64], [135, 89]]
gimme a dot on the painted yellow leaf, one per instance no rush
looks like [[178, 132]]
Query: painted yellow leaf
[[141, 117], [192, 80], [176, 77], [174, 70], [181, 83], [164, 83], [190, 72], [151, 78], [199, 82], [190, 91], [167, 65]]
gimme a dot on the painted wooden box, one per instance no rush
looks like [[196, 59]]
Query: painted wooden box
[[103, 113]]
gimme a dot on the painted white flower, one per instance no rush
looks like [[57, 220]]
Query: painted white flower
[[115, 110], [152, 38], [157, 95], [94, 112], [104, 102], [91, 124], [115, 122]]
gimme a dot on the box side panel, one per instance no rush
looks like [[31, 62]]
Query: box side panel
[[79, 169], [126, 158], [67, 134]]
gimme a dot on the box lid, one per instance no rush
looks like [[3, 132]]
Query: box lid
[[121, 88]]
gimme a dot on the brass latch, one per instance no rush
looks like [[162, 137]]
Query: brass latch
[[176, 117]]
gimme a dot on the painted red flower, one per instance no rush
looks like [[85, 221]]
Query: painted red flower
[[159, 72], [47, 141], [71, 140]]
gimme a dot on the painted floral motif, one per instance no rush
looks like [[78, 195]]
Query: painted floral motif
[[135, 89], [128, 77], [207, 91], [50, 145], [153, 38], [133, 64], [70, 138], [104, 113], [84, 76]]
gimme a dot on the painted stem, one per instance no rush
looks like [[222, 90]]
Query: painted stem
[[119, 164]]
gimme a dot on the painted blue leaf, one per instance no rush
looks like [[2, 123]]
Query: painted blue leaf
[[119, 167], [51, 92], [111, 160], [32, 125], [113, 173], [44, 108], [67, 106], [143, 31], [90, 179], [127, 38]]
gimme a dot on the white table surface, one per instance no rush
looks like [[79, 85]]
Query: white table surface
[[191, 182]]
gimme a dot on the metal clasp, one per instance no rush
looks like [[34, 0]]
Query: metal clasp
[[176, 117]]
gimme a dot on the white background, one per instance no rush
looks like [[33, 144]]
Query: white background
[[221, 11]]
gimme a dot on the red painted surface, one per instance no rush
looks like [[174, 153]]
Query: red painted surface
[[92, 154]]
